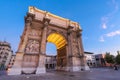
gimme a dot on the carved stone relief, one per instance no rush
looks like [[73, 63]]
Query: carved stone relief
[[75, 46], [32, 47]]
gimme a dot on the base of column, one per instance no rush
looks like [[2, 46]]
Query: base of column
[[86, 67], [77, 68], [40, 70], [28, 70], [15, 71]]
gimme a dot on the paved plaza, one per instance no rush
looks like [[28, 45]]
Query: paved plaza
[[93, 74]]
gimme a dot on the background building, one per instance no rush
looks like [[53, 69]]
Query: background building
[[90, 59], [12, 60], [50, 62], [5, 54], [100, 60]]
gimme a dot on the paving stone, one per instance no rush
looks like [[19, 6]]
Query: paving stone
[[93, 74]]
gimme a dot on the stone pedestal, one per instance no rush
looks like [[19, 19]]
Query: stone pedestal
[[40, 70], [86, 67], [41, 65]]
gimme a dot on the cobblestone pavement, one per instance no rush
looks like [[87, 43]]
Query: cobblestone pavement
[[93, 74]]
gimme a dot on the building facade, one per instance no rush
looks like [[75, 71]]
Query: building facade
[[42, 27], [12, 60], [5, 54], [90, 59], [100, 60], [51, 62]]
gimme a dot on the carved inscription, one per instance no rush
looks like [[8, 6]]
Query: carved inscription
[[35, 33]]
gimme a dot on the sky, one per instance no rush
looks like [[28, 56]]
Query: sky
[[99, 19]]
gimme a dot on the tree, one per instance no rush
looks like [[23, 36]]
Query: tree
[[117, 59], [109, 58]]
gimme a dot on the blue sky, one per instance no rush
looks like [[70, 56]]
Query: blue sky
[[99, 19]]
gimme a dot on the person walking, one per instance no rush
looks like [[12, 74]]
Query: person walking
[[115, 67]]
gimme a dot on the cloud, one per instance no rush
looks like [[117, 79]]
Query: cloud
[[101, 39], [104, 26], [105, 19], [104, 22], [111, 34]]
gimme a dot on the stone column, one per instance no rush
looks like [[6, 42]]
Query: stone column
[[48, 66], [42, 56], [81, 52], [17, 67], [41, 64], [75, 57], [69, 50]]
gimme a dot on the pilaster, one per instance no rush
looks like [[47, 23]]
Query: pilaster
[[83, 65], [42, 57], [41, 65], [17, 67], [69, 49]]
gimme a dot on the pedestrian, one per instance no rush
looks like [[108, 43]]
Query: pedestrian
[[115, 67]]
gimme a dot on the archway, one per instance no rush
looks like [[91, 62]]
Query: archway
[[51, 49], [42, 27], [60, 43], [51, 52]]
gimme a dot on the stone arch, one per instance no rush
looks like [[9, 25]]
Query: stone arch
[[71, 58], [61, 56], [50, 31], [58, 35]]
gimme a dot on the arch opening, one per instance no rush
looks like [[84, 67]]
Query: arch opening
[[57, 39], [58, 61], [51, 49]]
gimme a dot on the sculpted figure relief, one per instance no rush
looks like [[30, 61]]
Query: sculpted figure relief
[[75, 47], [32, 47]]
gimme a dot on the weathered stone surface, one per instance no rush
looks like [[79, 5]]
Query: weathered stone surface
[[39, 25]]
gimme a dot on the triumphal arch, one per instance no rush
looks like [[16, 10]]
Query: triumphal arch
[[42, 27]]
